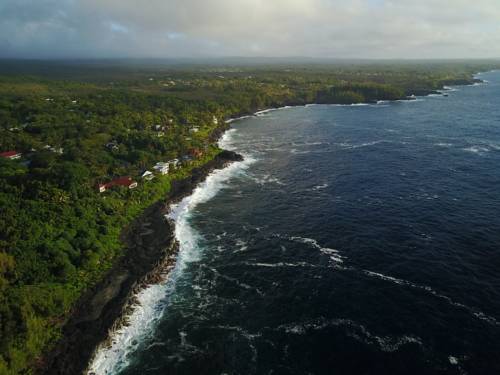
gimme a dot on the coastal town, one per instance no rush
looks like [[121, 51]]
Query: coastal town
[[160, 168]]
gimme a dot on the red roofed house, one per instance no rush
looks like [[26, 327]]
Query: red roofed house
[[120, 181], [12, 155]]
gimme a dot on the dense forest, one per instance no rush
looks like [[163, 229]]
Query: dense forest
[[67, 127]]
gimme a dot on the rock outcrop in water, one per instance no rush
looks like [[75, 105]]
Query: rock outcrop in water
[[150, 252]]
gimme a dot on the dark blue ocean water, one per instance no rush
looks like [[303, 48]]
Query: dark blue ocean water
[[360, 240]]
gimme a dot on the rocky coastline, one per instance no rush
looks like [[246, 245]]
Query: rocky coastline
[[150, 252]]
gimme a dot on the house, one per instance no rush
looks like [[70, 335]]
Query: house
[[174, 162], [148, 176], [195, 129], [161, 168], [12, 155], [57, 150], [125, 181], [215, 121]]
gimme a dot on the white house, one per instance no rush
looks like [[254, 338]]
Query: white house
[[148, 176], [174, 162], [161, 168]]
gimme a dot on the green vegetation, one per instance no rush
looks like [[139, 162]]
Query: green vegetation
[[78, 125]]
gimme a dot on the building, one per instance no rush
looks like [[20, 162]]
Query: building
[[148, 176], [161, 168], [174, 163], [125, 181], [12, 155]]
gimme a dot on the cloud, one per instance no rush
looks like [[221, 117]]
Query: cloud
[[191, 28]]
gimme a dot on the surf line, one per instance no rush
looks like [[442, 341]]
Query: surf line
[[150, 303]]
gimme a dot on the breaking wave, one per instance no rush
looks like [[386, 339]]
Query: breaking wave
[[152, 301]]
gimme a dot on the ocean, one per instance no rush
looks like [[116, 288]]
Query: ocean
[[351, 240]]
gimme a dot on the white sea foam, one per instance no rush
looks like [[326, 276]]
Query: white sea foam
[[110, 358], [494, 146], [263, 112], [366, 144], [245, 334], [332, 253], [351, 105], [280, 264], [226, 141], [152, 301], [474, 312], [241, 246], [266, 179], [236, 281], [354, 330], [411, 100], [231, 120], [477, 149], [304, 144], [443, 144], [319, 187]]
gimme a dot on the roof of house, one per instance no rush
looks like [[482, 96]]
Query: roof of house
[[161, 166], [8, 154], [124, 181], [120, 181]]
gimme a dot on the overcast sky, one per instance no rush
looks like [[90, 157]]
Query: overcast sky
[[278, 28]]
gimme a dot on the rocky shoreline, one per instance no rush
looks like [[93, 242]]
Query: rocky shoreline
[[150, 252]]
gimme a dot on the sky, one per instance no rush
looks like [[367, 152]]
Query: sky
[[257, 28]]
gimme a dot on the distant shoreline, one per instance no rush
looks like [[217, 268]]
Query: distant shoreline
[[441, 92]]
